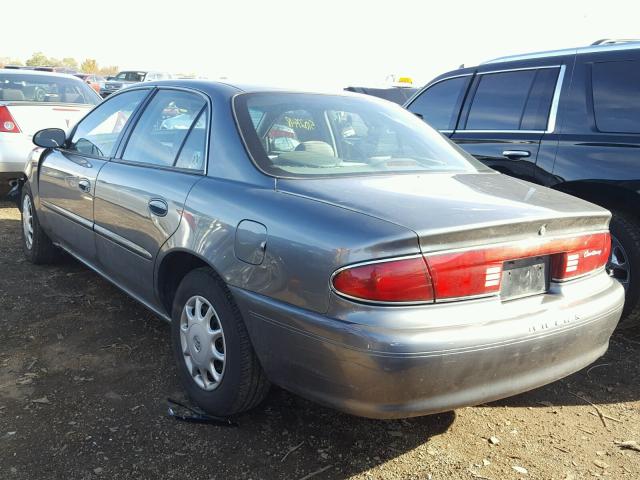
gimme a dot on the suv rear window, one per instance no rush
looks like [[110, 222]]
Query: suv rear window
[[616, 96], [439, 104], [515, 100]]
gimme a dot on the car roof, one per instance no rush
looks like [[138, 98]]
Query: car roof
[[24, 71], [605, 47]]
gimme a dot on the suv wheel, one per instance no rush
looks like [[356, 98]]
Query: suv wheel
[[36, 245], [216, 362], [624, 264]]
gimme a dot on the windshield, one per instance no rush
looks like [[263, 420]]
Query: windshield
[[44, 88], [131, 76], [304, 135]]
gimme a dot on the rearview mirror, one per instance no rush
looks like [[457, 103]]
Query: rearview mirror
[[50, 138]]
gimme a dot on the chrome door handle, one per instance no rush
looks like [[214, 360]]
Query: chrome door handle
[[84, 185], [158, 207], [516, 153]]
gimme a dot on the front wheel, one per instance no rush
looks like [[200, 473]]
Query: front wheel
[[36, 245], [216, 361], [624, 264]]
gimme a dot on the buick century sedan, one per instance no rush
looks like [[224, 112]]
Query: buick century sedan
[[334, 245]]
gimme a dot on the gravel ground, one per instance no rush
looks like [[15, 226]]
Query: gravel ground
[[85, 373]]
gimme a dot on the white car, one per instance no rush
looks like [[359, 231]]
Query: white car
[[31, 101]]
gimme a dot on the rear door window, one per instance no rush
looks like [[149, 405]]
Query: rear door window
[[514, 100], [163, 127], [616, 96], [439, 104]]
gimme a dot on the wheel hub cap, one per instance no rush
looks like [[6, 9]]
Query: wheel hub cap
[[27, 221], [202, 341]]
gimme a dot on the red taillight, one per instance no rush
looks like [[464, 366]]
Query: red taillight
[[405, 280], [7, 123], [589, 254], [467, 273]]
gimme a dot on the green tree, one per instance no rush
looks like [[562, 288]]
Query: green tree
[[69, 62], [89, 66], [109, 71], [9, 61], [38, 59]]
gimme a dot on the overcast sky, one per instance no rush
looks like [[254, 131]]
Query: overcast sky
[[309, 44]]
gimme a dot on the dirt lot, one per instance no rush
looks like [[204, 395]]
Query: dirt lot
[[85, 373]]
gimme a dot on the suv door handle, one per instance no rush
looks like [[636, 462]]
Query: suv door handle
[[84, 185], [516, 153], [158, 207]]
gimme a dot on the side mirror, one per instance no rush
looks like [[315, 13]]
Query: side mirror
[[50, 138]]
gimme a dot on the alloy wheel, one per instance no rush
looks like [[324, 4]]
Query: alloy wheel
[[618, 266]]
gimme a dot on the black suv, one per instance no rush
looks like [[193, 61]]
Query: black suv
[[566, 119]]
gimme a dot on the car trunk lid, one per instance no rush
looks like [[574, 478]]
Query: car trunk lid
[[450, 211], [34, 116]]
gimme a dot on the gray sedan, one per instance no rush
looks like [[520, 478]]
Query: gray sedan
[[332, 244]]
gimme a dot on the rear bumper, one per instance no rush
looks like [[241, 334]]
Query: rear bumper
[[458, 355]]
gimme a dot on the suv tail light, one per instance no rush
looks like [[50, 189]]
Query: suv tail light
[[466, 273], [7, 123]]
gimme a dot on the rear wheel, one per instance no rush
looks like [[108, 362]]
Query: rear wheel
[[37, 246], [624, 264], [216, 362]]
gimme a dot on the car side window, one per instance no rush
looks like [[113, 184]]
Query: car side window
[[98, 133], [616, 96], [439, 104], [163, 127], [515, 100], [192, 153]]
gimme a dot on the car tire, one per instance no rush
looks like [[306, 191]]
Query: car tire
[[36, 245], [624, 264], [199, 337]]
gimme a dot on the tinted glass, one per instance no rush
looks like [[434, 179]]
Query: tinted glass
[[131, 76], [304, 135], [499, 100], [163, 127], [536, 110], [616, 96], [440, 103], [98, 133], [45, 88]]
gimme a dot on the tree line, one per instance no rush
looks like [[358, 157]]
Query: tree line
[[39, 59]]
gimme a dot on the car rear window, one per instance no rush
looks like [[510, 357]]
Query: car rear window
[[45, 88], [616, 96], [305, 135]]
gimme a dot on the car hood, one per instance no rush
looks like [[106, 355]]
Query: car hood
[[457, 210]]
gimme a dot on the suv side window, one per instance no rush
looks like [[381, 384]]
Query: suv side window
[[439, 104], [515, 100], [616, 96], [98, 133], [163, 127]]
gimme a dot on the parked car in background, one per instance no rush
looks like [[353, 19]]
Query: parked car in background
[[130, 77], [370, 265], [398, 92], [67, 70], [30, 101], [94, 81], [566, 119]]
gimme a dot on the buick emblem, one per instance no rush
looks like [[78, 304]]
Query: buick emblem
[[543, 230], [196, 344]]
